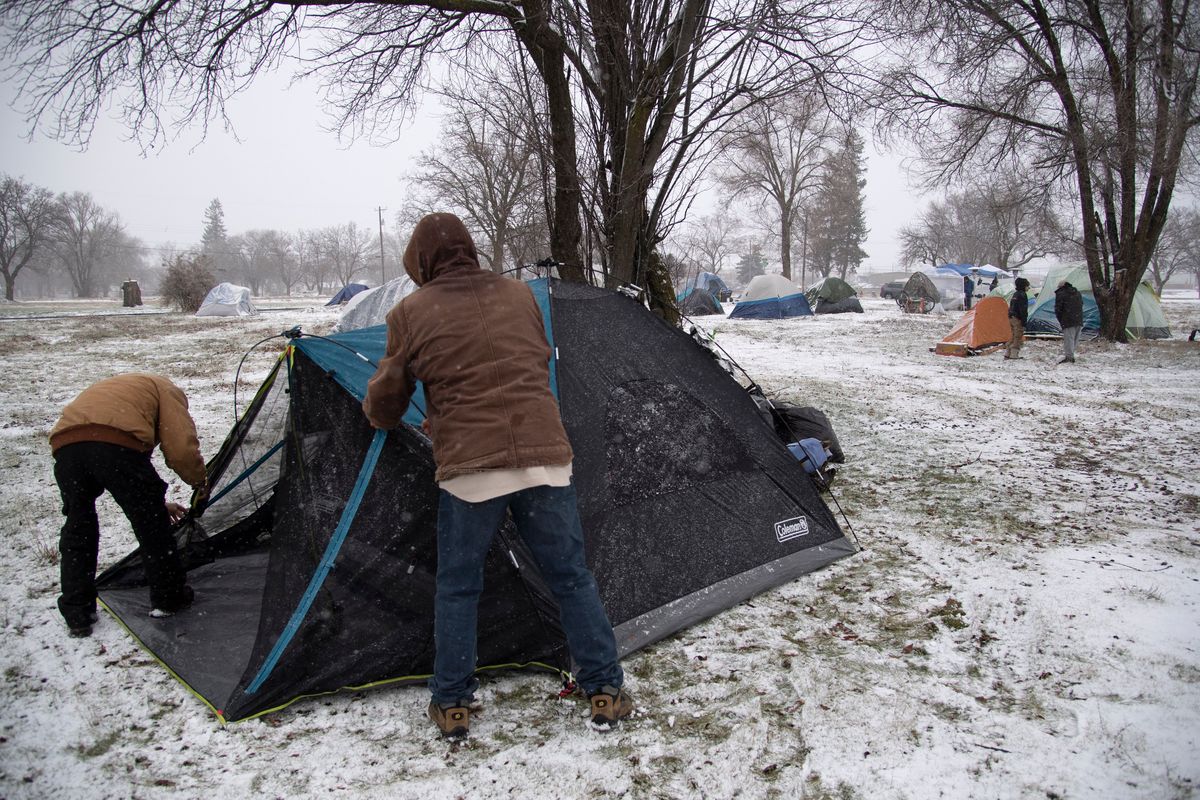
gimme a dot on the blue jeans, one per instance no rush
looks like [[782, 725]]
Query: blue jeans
[[547, 519]]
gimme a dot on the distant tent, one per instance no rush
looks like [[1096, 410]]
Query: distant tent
[[699, 303], [346, 292], [1146, 320], [951, 289], [919, 294], [227, 300], [989, 272], [982, 329], [314, 561], [962, 270], [771, 297], [710, 282], [832, 295], [371, 307]]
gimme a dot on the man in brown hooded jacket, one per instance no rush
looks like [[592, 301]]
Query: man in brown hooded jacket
[[475, 340], [102, 442]]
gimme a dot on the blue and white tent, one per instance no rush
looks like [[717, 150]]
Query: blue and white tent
[[771, 297]]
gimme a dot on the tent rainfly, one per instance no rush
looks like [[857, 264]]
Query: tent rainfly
[[982, 329]]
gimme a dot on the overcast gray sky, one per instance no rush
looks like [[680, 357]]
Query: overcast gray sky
[[285, 171]]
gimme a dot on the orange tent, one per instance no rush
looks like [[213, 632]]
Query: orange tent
[[981, 330]]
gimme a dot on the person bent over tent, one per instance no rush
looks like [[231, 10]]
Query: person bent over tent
[[1068, 309], [1018, 315], [102, 443], [476, 342]]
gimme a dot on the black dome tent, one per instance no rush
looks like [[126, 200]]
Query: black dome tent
[[314, 561]]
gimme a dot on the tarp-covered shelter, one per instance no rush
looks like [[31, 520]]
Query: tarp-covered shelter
[[710, 282], [919, 295], [346, 292], [982, 329], [227, 300], [1146, 320], [699, 303], [314, 561], [370, 308], [771, 297], [832, 295]]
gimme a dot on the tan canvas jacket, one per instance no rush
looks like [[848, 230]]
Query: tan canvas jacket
[[138, 411]]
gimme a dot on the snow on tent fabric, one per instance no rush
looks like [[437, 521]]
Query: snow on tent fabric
[[771, 297], [698, 303], [227, 300], [710, 282], [1146, 320], [371, 307], [346, 292], [982, 329], [314, 561], [832, 295]]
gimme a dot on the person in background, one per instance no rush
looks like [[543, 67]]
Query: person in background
[[475, 339], [1068, 309], [102, 442], [995, 282], [968, 292], [1018, 315]]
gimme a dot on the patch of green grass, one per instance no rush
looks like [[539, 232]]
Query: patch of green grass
[[100, 745], [951, 614]]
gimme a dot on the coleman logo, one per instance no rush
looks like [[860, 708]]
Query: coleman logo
[[791, 528]]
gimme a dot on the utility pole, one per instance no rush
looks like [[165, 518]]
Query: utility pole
[[382, 269]]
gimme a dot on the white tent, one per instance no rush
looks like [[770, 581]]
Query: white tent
[[763, 287], [371, 307], [227, 300]]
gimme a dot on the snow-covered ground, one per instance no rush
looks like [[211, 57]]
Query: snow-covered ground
[[1021, 622]]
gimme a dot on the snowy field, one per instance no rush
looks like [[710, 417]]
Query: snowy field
[[1022, 622]]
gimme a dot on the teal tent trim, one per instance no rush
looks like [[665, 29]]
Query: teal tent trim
[[326, 564], [351, 358], [541, 293], [250, 469]]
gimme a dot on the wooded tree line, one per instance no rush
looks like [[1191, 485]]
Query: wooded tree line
[[626, 109]]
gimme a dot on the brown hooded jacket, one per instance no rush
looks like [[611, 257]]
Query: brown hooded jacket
[[475, 340]]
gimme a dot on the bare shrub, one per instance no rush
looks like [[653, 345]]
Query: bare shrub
[[187, 281]]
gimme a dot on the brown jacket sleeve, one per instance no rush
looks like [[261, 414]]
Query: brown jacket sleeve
[[177, 433], [391, 387]]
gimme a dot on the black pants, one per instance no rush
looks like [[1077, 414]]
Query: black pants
[[86, 470]]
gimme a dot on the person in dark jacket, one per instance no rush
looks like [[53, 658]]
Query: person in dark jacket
[[1018, 315], [475, 339], [102, 442], [968, 292], [1068, 309]]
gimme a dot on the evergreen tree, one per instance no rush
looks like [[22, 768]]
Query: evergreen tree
[[837, 222], [751, 264], [214, 239]]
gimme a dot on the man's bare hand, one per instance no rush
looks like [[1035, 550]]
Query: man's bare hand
[[175, 511]]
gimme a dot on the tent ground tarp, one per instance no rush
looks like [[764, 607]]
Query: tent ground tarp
[[314, 562]]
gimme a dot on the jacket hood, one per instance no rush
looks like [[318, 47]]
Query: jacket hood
[[440, 243]]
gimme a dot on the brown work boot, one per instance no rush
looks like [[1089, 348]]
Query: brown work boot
[[454, 722], [609, 706]]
